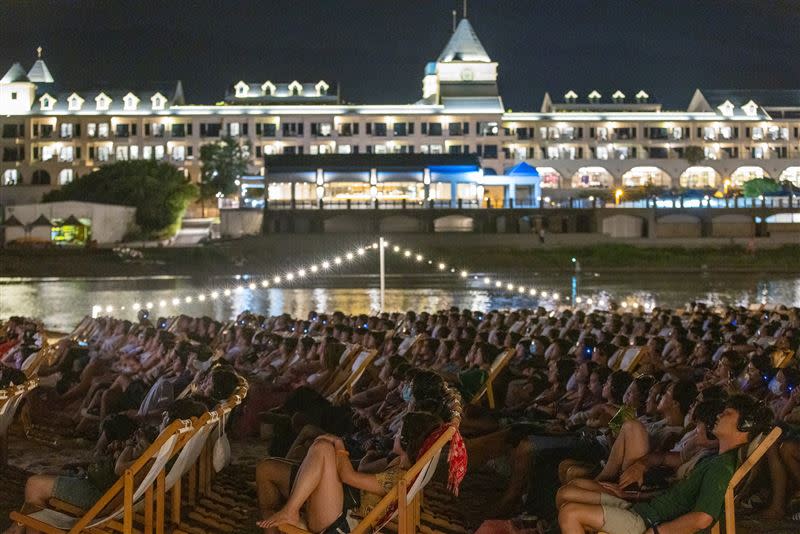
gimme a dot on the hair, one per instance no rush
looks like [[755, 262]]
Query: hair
[[707, 411], [185, 409], [620, 380], [714, 392], [602, 373], [417, 426], [643, 384], [684, 392], [119, 427], [749, 408], [223, 383], [564, 369]]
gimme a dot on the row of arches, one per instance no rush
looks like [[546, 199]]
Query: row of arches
[[696, 177], [38, 177]]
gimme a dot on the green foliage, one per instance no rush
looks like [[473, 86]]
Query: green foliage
[[223, 163], [760, 186], [159, 192], [694, 154]]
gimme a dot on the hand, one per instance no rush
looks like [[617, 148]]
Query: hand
[[336, 441], [634, 474]]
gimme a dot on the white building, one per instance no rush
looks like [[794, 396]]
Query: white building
[[608, 138]]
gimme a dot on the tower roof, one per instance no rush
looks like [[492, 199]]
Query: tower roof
[[39, 73], [15, 74], [464, 45]]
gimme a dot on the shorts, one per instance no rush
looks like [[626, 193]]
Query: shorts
[[618, 518], [79, 492]]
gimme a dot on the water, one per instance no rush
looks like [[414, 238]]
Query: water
[[61, 303]]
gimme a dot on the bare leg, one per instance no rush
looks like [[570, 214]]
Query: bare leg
[[38, 489], [790, 454], [522, 458], [780, 481], [272, 484], [317, 484], [631, 444], [581, 491], [574, 518]]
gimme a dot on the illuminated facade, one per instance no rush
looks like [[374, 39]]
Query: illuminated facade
[[49, 136]]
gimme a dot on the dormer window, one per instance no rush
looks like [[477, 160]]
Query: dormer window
[[750, 109], [268, 88], [46, 102], [74, 102], [726, 108], [570, 97], [130, 102], [594, 97], [103, 102], [158, 102], [295, 89], [241, 89], [642, 97], [322, 88], [618, 97]]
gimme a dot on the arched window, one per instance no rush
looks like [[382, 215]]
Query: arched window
[[40, 177], [642, 176], [66, 176], [11, 177], [699, 178], [592, 177], [744, 174]]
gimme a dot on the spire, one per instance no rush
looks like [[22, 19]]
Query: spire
[[15, 74], [39, 72], [464, 45]]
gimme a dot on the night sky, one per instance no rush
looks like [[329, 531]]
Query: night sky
[[377, 49]]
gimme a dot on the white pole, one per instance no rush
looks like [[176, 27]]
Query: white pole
[[381, 247]]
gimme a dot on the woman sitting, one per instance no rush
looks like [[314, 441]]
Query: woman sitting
[[325, 481]]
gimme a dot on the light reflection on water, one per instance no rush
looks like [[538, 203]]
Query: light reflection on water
[[61, 303]]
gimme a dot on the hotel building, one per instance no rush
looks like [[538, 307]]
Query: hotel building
[[618, 138]]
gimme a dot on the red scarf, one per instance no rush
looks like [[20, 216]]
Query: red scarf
[[456, 458]]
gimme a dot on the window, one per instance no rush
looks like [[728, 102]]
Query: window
[[379, 129], [45, 131], [434, 129], [292, 129], [158, 152], [147, 152], [103, 153], [66, 153], [65, 176], [455, 129], [210, 129], [179, 153], [233, 129], [602, 152], [135, 152], [11, 177], [13, 153], [344, 149], [102, 130], [178, 130], [122, 130], [266, 130], [347, 129], [122, 153], [380, 149], [74, 102], [158, 130], [47, 153], [11, 131], [103, 102], [158, 102], [488, 128], [436, 149], [321, 129], [91, 129], [47, 102], [758, 134], [66, 129], [490, 151], [13, 95], [130, 102]]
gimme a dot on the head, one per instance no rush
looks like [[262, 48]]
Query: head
[[416, 427], [615, 386], [742, 419], [705, 416], [678, 398]]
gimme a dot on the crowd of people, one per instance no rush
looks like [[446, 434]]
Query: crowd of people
[[623, 421]]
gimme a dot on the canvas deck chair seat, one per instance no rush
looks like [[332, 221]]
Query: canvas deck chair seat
[[360, 364], [330, 384], [151, 463], [487, 389], [406, 495], [631, 358]]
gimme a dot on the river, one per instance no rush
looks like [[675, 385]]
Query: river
[[61, 303]]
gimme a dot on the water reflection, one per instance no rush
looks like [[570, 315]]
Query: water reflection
[[61, 303]]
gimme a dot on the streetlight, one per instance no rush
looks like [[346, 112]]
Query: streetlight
[[617, 195]]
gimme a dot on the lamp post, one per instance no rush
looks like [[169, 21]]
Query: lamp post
[[617, 196]]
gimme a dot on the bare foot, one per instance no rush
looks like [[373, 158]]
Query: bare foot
[[282, 516]]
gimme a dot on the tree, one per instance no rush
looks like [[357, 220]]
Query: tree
[[694, 154], [159, 192], [760, 186], [223, 163]]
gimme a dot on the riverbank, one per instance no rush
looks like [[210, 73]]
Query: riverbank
[[262, 254]]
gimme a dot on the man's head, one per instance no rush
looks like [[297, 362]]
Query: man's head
[[742, 419]]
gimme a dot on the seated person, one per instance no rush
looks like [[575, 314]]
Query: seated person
[[692, 504], [323, 483]]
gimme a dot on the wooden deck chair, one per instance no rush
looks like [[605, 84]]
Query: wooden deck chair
[[782, 358], [499, 363], [753, 456], [407, 494], [630, 360], [407, 344], [360, 364], [151, 463], [10, 399], [342, 371]]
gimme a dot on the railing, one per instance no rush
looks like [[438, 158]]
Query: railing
[[678, 202]]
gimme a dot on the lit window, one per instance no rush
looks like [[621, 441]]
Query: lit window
[[158, 101], [11, 177], [602, 152], [380, 149], [159, 152], [135, 152], [130, 102], [344, 149], [47, 153], [91, 129], [65, 176], [233, 129], [66, 153], [66, 129], [122, 153], [179, 153], [436, 149], [758, 134], [147, 152], [103, 153], [74, 102], [102, 129]]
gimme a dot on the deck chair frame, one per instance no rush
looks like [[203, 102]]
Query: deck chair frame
[[487, 389], [355, 374], [125, 486], [407, 493]]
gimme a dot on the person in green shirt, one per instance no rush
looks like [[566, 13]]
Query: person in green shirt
[[690, 505]]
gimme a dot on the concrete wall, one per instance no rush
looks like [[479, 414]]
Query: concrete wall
[[733, 226], [238, 223], [678, 226], [22, 194], [623, 226]]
